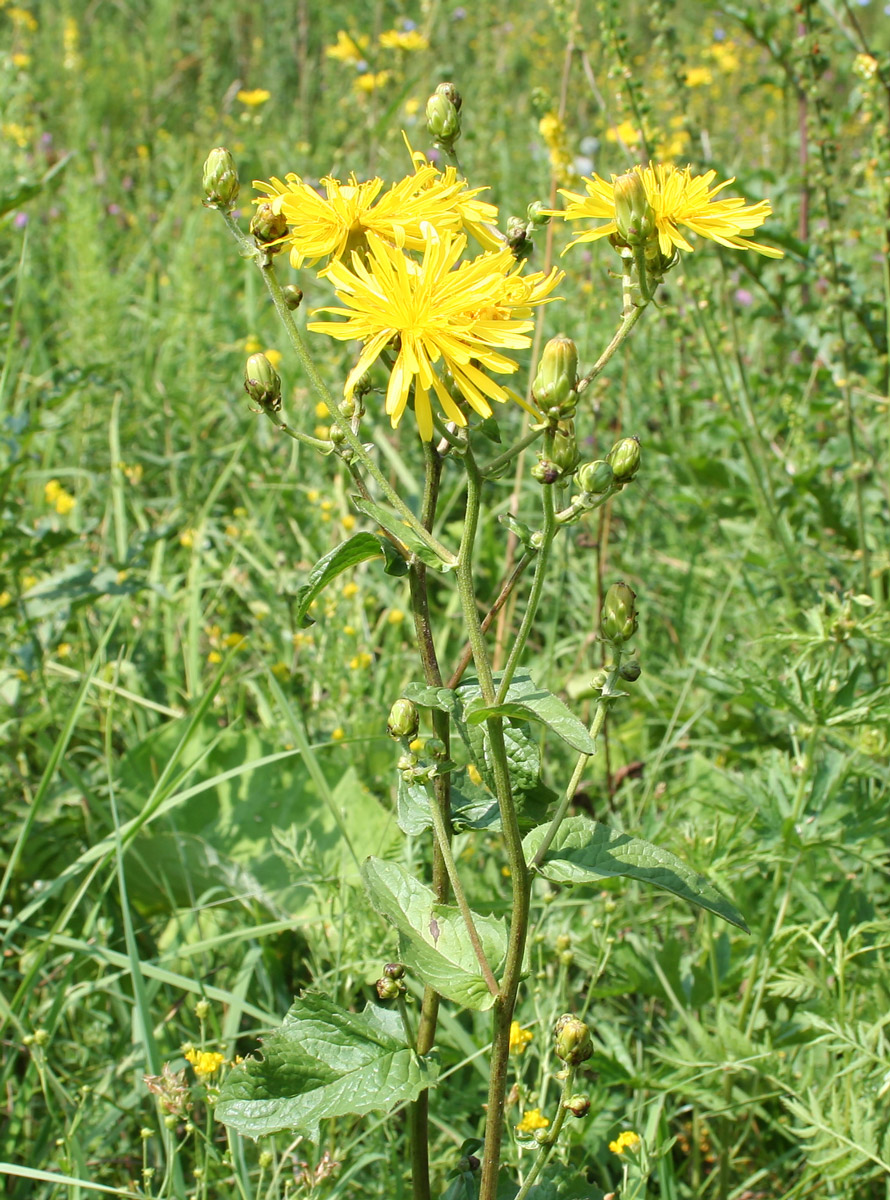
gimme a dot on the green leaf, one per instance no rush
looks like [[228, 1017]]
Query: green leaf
[[530, 703], [321, 1062], [432, 697], [399, 528], [413, 808], [584, 851], [359, 548], [433, 939]]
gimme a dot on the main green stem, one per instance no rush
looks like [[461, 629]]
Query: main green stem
[[550, 1140], [520, 879]]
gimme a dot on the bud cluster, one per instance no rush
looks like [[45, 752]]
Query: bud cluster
[[390, 985]]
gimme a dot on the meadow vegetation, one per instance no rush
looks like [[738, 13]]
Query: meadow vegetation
[[191, 776]]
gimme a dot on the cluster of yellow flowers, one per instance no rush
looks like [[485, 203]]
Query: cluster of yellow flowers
[[63, 502], [628, 1140], [205, 1062], [519, 1038], [531, 1121]]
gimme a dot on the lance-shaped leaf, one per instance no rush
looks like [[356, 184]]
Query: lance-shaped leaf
[[433, 939], [322, 1062], [350, 553], [585, 851], [394, 524], [528, 702]]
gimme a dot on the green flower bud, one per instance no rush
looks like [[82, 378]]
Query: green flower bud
[[293, 296], [443, 115], [536, 214], [624, 458], [517, 238], [336, 435], [619, 616], [598, 679], [404, 720], [578, 1106], [563, 942], [595, 477], [268, 227], [631, 671], [546, 471], [565, 447], [566, 958], [394, 970], [573, 1044], [262, 383], [557, 375], [633, 212], [388, 989], [435, 748], [221, 184]]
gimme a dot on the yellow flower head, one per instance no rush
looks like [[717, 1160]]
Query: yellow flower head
[[459, 201], [403, 39], [446, 315], [677, 198], [205, 1062], [628, 1140], [532, 1120], [519, 1038], [347, 49], [253, 97]]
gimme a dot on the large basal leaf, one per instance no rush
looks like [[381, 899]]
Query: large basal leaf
[[585, 851], [399, 528], [433, 939], [322, 1062], [357, 549], [528, 702]]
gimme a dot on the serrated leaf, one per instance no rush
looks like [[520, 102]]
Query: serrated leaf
[[585, 851], [433, 939], [413, 808], [528, 702], [445, 699], [399, 528], [321, 1062], [357, 549]]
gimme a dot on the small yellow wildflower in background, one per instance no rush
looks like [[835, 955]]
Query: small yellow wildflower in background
[[699, 77], [531, 1121], [403, 39], [350, 590], [63, 649], [274, 356], [23, 18], [252, 344], [338, 734], [628, 1140], [21, 60], [395, 616], [473, 772], [370, 82], [626, 132], [348, 522], [444, 313], [677, 198], [360, 661], [519, 1038], [346, 48], [205, 1062], [253, 97], [63, 502], [553, 131]]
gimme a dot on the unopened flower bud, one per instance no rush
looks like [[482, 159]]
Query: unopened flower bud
[[578, 1106], [619, 617], [598, 678], [536, 214], [388, 989], [268, 226], [221, 184], [517, 238], [262, 383], [595, 477], [394, 970], [573, 1044], [563, 942], [443, 115], [631, 671], [403, 719], [624, 458], [546, 471], [557, 375], [293, 296], [565, 447], [435, 748], [634, 216]]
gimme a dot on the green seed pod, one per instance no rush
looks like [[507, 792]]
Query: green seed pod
[[262, 383], [268, 226], [565, 447], [631, 671], [221, 185], [293, 296], [596, 477], [394, 970], [336, 435], [388, 989], [624, 458], [578, 1106], [618, 622], [573, 1044], [443, 115], [634, 215], [557, 375], [546, 471], [404, 720]]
